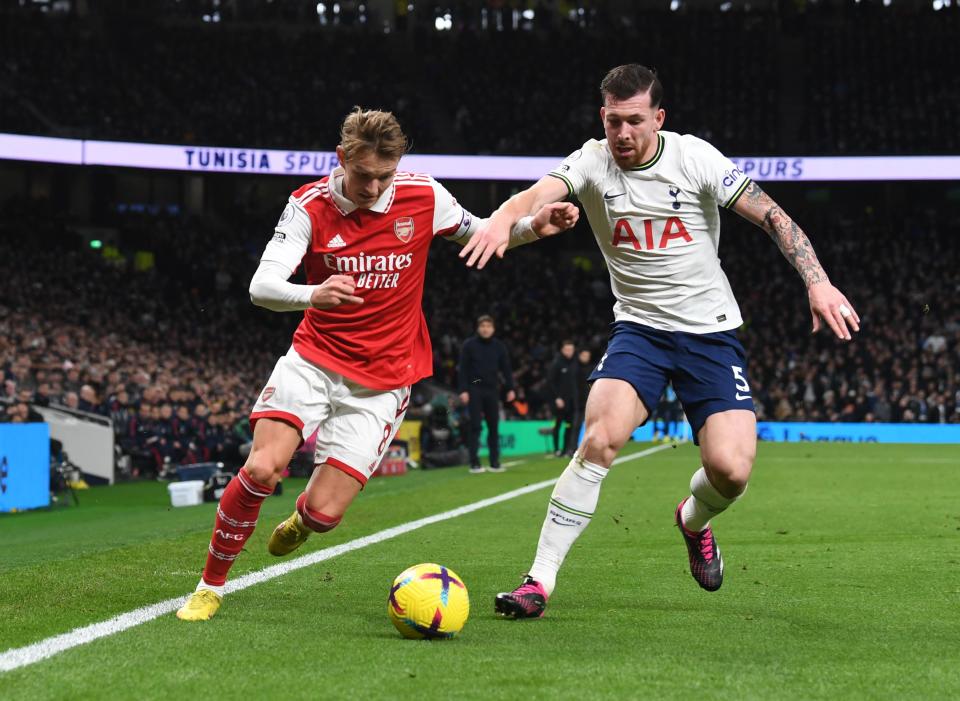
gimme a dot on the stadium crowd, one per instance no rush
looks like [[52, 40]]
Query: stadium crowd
[[175, 353], [818, 82], [166, 343], [160, 351]]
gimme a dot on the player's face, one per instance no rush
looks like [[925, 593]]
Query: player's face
[[485, 329], [366, 176], [631, 127]]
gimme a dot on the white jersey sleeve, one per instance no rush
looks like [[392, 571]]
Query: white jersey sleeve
[[450, 219], [711, 172], [291, 237], [270, 289], [456, 224], [583, 169]]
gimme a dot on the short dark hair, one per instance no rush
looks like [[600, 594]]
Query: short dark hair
[[484, 317], [623, 82], [567, 342]]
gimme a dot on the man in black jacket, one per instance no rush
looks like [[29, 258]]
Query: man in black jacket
[[482, 357], [583, 366], [562, 384]]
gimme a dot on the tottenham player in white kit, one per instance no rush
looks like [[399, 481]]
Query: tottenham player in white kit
[[652, 199]]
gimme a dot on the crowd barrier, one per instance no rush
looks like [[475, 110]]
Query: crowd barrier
[[87, 438]]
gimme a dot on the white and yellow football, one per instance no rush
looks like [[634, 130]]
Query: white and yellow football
[[428, 601]]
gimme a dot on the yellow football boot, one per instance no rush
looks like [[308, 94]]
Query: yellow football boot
[[201, 606], [288, 536]]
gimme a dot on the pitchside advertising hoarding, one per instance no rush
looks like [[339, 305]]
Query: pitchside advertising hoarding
[[524, 437], [801, 432], [24, 466], [213, 159]]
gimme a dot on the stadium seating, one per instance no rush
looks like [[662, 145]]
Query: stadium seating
[[183, 335], [817, 82]]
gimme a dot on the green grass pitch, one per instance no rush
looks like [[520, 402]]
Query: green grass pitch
[[842, 567]]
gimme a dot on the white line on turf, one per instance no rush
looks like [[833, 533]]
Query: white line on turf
[[30, 654], [642, 453]]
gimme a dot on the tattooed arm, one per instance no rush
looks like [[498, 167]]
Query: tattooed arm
[[826, 301]]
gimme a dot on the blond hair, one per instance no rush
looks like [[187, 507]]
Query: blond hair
[[372, 130]]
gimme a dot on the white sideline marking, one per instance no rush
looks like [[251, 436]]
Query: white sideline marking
[[15, 658], [641, 454]]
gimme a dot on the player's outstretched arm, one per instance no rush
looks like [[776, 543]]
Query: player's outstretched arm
[[551, 219], [494, 237], [826, 301]]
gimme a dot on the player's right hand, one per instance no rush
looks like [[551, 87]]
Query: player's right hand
[[492, 238], [334, 291], [554, 218]]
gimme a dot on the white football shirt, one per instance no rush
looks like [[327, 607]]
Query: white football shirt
[[658, 226]]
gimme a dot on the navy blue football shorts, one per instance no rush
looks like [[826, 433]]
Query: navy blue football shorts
[[708, 371]]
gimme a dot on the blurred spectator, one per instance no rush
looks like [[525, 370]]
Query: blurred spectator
[[562, 381]]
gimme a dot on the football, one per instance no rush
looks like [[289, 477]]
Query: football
[[428, 601]]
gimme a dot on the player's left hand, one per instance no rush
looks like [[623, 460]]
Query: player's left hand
[[829, 304], [555, 218], [492, 237], [511, 395]]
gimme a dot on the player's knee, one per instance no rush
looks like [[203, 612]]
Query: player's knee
[[730, 471], [598, 446], [263, 467]]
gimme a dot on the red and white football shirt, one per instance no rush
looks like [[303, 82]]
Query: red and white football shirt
[[382, 343]]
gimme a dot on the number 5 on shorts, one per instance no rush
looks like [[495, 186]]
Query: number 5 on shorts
[[741, 383]]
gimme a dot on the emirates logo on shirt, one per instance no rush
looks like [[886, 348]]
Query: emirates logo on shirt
[[403, 228]]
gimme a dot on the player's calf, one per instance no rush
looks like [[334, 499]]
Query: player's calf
[[237, 515], [729, 474], [294, 531], [316, 521]]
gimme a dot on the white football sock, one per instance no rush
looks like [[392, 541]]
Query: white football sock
[[219, 591], [571, 507], [704, 503]]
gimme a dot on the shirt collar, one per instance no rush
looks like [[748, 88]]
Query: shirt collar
[[381, 206]]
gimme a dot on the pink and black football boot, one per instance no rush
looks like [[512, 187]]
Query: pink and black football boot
[[706, 562], [529, 600]]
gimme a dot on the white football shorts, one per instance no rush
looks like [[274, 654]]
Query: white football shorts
[[356, 424]]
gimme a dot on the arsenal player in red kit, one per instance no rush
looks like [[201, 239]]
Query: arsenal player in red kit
[[362, 235]]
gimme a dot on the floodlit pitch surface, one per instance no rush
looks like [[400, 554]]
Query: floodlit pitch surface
[[842, 581]]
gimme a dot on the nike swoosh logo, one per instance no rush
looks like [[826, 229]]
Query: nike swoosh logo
[[608, 196], [741, 397]]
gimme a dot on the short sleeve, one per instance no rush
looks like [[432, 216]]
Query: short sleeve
[[712, 173], [580, 168], [291, 237], [450, 219]]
